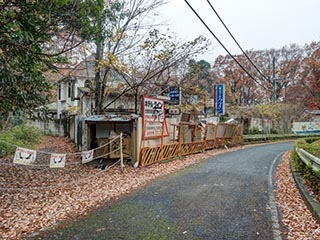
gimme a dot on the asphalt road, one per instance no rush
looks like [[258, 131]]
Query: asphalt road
[[225, 197]]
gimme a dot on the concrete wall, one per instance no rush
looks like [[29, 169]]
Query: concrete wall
[[51, 127]]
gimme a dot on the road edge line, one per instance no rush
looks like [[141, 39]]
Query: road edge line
[[272, 202]]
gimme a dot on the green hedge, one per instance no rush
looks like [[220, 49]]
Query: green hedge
[[269, 137], [21, 136]]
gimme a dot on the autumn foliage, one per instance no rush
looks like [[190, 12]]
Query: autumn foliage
[[297, 74]]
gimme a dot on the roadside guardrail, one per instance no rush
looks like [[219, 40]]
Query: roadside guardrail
[[309, 159]]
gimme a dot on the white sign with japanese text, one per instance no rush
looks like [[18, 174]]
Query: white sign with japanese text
[[154, 119]]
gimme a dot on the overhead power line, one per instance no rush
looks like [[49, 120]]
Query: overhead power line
[[245, 70], [237, 42]]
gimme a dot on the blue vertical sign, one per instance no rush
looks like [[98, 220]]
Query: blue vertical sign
[[174, 93], [220, 99]]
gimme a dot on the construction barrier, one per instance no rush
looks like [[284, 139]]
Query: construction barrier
[[192, 139], [43, 159]]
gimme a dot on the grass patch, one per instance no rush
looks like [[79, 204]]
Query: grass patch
[[311, 145], [21, 136]]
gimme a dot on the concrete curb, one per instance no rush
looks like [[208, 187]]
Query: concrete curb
[[312, 205]]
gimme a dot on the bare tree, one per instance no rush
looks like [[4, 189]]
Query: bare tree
[[156, 65]]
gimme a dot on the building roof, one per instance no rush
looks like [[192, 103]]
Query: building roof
[[112, 118]]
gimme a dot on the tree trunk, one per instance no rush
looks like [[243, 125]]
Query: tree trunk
[[98, 80], [136, 101]]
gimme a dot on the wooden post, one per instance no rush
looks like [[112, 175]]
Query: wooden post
[[194, 132], [233, 134], [121, 153], [162, 130], [205, 135], [179, 140], [224, 135]]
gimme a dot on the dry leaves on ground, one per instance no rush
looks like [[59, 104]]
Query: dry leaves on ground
[[296, 216], [35, 199]]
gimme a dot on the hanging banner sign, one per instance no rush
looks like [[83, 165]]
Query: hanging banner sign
[[154, 118], [220, 99], [24, 156], [87, 156], [57, 160]]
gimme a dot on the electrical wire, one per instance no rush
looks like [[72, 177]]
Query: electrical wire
[[249, 59], [245, 70]]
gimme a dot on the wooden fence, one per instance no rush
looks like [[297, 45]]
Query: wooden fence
[[192, 138]]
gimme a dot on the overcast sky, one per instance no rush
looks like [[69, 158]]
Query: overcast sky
[[256, 24]]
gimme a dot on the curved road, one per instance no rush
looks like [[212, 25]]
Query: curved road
[[229, 196]]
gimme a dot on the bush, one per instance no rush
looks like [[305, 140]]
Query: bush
[[254, 130], [312, 179], [311, 145], [21, 136], [297, 163], [274, 131], [311, 139], [6, 149], [16, 120]]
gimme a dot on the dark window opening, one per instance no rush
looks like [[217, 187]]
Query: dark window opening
[[69, 90], [59, 92]]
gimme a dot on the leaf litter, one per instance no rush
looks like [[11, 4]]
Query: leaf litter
[[39, 199], [296, 217]]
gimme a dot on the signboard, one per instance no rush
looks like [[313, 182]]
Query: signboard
[[57, 160], [154, 119], [220, 99], [174, 111], [306, 128], [174, 93], [24, 156], [87, 156]]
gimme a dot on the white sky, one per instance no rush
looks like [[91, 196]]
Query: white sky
[[256, 24]]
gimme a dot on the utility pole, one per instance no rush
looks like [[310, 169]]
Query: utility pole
[[273, 80]]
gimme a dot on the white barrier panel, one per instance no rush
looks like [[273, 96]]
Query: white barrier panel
[[221, 129], [57, 160], [87, 156], [24, 156]]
